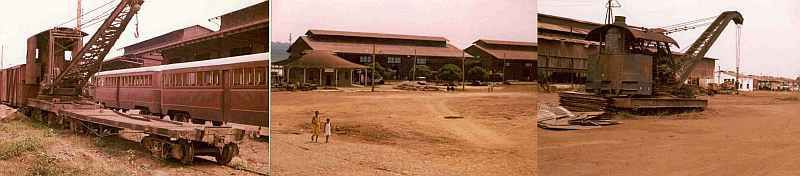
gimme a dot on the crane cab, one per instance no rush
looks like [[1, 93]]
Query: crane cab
[[625, 63], [49, 52]]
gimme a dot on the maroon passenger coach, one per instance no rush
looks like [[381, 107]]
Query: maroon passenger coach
[[232, 89]]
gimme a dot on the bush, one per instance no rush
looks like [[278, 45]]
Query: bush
[[384, 72], [423, 71], [477, 74]]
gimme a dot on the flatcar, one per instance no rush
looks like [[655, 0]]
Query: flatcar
[[232, 89]]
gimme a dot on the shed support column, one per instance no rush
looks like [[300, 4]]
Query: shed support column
[[321, 69], [304, 75], [336, 77]]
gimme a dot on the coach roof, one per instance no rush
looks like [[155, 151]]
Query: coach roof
[[211, 62]]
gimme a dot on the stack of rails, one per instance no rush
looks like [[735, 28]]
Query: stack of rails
[[583, 102]]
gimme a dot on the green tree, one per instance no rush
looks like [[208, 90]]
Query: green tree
[[450, 72], [477, 73]]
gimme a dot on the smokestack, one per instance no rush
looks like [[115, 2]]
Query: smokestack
[[619, 20]]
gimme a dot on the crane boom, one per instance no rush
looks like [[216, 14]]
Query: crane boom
[[700, 47], [88, 60]]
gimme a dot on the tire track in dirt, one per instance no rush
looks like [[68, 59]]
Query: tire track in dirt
[[465, 127]]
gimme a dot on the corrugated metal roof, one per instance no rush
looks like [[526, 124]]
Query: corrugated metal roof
[[220, 61], [544, 37], [374, 35], [507, 54], [563, 28], [383, 49], [208, 36], [502, 42], [597, 34]]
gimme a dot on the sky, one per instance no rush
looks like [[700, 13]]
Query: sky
[[769, 34], [22, 19], [462, 22]]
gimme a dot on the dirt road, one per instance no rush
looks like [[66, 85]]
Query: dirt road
[[407, 133], [752, 134]]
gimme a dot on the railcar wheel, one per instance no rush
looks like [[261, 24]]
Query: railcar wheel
[[227, 154], [36, 114], [188, 152], [155, 146], [216, 123]]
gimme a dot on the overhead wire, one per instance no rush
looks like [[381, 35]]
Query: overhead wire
[[89, 12], [97, 19]]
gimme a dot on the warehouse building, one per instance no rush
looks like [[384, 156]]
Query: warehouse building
[[514, 61], [399, 55]]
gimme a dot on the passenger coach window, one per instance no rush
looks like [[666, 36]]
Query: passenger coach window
[[261, 74], [216, 78]]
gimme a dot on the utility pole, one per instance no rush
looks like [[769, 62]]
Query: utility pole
[[738, 55], [610, 12], [2, 55], [463, 72], [78, 20], [79, 16]]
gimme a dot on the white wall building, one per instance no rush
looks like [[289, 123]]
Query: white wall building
[[746, 82]]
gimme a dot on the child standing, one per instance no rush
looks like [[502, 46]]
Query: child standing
[[328, 129]]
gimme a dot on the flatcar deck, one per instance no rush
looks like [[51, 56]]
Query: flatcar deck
[[165, 139], [153, 125]]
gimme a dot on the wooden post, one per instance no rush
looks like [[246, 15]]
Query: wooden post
[[372, 80], [304, 75], [414, 66], [336, 77]]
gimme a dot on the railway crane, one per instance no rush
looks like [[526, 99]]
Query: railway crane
[[53, 93], [636, 70]]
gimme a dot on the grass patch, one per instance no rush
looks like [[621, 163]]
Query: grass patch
[[45, 165], [116, 146], [14, 148]]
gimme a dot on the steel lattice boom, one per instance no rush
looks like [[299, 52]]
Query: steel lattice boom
[[700, 47], [88, 60]]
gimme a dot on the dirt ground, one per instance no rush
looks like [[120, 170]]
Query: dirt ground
[[30, 148], [406, 132], [751, 134]]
